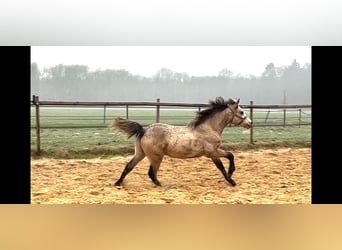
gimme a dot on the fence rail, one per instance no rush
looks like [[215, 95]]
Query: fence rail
[[253, 112], [159, 104]]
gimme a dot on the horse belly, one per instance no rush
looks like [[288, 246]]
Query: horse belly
[[184, 148]]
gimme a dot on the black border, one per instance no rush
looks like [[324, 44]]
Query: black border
[[326, 69], [15, 81]]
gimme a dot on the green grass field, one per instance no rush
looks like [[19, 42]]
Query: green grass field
[[84, 133]]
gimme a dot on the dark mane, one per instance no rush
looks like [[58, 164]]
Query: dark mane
[[214, 107]]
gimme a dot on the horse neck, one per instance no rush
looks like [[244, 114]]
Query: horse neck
[[219, 121]]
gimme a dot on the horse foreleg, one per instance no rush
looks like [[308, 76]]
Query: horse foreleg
[[219, 165], [231, 169], [129, 167]]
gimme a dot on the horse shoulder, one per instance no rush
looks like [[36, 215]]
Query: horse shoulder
[[211, 140], [207, 132]]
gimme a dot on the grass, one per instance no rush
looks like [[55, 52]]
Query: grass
[[104, 142], [84, 133], [100, 117]]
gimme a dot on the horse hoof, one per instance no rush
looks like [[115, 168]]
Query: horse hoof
[[232, 182], [157, 183], [117, 184]]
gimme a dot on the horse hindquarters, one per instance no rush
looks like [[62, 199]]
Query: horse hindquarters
[[154, 144], [155, 154]]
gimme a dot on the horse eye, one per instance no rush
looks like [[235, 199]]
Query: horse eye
[[241, 112]]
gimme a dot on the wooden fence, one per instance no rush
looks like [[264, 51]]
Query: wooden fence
[[38, 103]]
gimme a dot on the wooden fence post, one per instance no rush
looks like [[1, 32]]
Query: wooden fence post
[[158, 111], [36, 103], [126, 111], [251, 117], [104, 114]]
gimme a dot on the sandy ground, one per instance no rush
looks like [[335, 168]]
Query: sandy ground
[[269, 176]]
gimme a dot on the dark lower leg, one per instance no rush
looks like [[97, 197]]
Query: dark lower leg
[[153, 176], [130, 165], [220, 166], [231, 169]]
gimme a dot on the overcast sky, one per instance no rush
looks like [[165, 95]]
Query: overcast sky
[[194, 60]]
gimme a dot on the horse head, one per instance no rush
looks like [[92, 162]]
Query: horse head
[[239, 117]]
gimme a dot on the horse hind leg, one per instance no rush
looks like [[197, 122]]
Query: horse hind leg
[[153, 176], [152, 172], [129, 167]]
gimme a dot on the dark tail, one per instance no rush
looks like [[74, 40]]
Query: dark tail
[[128, 127]]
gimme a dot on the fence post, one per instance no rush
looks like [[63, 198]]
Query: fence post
[[158, 111], [300, 117], [251, 117], [126, 111], [36, 103], [284, 125], [104, 114]]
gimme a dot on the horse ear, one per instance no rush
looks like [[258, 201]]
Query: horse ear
[[237, 101]]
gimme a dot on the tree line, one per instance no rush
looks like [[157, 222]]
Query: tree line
[[276, 85]]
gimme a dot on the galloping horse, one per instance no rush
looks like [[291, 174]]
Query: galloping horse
[[201, 137]]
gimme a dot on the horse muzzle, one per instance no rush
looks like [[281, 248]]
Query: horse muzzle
[[247, 123]]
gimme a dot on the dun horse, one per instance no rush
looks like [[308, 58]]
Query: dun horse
[[201, 137]]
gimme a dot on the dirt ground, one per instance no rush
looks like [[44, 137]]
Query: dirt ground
[[268, 176]]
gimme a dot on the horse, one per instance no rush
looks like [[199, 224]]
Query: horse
[[201, 137]]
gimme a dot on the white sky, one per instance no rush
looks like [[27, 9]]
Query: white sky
[[194, 60]]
